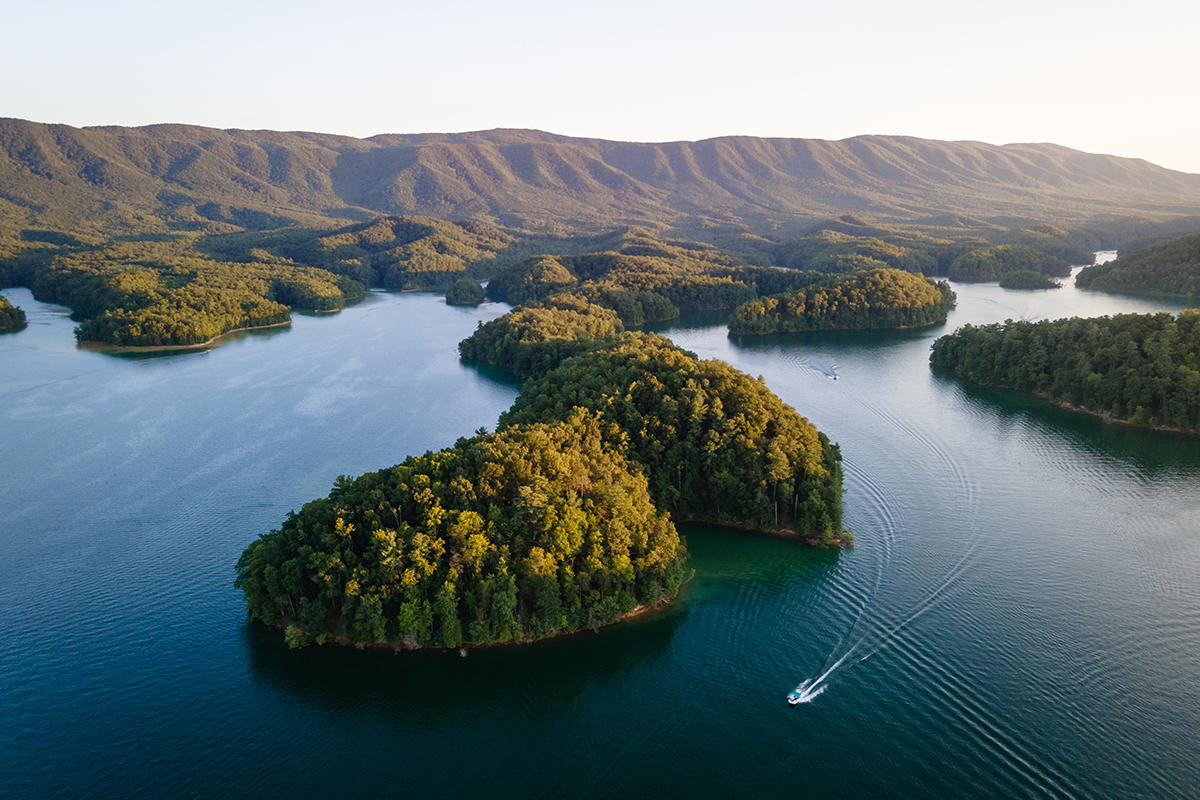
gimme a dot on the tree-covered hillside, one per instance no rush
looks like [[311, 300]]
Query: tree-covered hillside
[[993, 263], [397, 253], [641, 275], [1170, 268]]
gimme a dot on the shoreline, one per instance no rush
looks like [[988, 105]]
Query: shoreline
[[152, 348], [828, 330], [1109, 418], [841, 541], [463, 649], [1101, 415]]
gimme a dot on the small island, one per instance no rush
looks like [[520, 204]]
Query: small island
[[465, 292], [877, 298], [563, 518], [1142, 369], [11, 317], [1027, 279]]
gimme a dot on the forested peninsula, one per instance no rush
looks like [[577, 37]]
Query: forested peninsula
[[878, 298], [1171, 268], [11, 317], [1143, 369], [560, 520]]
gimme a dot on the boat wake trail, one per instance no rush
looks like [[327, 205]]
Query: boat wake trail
[[900, 595], [877, 636]]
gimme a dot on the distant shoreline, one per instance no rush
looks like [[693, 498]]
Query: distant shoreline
[[149, 348]]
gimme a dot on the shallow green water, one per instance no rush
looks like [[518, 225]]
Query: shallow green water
[[1020, 616]]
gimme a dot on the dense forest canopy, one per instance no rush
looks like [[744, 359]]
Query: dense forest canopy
[[165, 293], [640, 274], [993, 263], [11, 317], [1072, 244], [836, 251], [534, 339], [650, 278], [529, 531], [465, 292], [1140, 368], [715, 443], [849, 243], [877, 298], [1171, 268]]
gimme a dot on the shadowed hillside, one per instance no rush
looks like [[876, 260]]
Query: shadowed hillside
[[164, 178]]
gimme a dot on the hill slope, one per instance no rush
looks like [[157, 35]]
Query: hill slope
[[1171, 268], [179, 177]]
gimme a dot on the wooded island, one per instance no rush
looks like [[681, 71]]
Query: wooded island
[[11, 317], [561, 519]]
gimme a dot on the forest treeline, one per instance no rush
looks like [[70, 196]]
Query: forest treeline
[[1140, 368], [561, 519], [11, 317], [1169, 268], [183, 289], [876, 298]]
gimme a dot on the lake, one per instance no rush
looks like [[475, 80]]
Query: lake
[[1019, 617]]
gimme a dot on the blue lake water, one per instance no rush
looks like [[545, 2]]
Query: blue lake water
[[1020, 616]]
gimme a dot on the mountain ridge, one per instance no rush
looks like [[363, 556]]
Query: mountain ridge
[[179, 177]]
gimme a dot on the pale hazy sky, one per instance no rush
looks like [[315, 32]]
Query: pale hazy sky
[[1100, 76]]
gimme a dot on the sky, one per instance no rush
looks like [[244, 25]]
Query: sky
[[1103, 77]]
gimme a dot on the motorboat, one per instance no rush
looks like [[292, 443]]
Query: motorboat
[[803, 693]]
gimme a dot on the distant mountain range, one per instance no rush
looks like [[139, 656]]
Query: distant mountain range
[[107, 180]]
